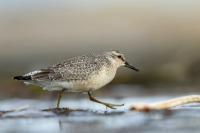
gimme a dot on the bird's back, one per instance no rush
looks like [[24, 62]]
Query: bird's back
[[73, 69]]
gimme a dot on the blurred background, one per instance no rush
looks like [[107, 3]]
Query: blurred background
[[161, 38]]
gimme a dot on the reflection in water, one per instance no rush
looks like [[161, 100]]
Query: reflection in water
[[129, 122], [34, 121], [29, 125], [95, 118]]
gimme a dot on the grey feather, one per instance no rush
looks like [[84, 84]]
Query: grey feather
[[77, 68]]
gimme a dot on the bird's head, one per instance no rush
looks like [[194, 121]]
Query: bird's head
[[119, 59]]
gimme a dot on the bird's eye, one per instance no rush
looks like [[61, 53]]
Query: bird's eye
[[119, 56]]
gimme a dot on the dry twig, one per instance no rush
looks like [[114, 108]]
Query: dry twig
[[165, 105]]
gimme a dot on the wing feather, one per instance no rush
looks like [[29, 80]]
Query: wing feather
[[77, 68]]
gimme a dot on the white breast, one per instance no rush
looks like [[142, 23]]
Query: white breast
[[105, 76]]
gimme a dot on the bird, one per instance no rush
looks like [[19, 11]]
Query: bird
[[84, 74]]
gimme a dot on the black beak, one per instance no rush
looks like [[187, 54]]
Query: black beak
[[131, 67]]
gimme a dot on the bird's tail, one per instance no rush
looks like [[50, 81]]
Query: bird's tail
[[22, 78]]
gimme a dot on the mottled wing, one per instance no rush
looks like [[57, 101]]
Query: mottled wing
[[77, 68]]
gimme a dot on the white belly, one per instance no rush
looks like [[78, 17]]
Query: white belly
[[96, 81]]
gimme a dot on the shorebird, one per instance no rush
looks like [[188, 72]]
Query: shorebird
[[85, 73]]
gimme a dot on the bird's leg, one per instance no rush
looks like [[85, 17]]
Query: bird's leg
[[60, 94], [109, 105]]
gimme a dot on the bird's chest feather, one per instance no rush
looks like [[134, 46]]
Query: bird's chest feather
[[101, 78]]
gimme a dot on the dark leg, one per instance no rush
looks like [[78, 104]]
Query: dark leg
[[109, 105], [60, 94]]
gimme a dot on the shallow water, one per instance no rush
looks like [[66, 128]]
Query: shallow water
[[28, 116]]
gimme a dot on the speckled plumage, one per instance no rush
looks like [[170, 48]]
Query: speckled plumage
[[77, 68], [78, 74]]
